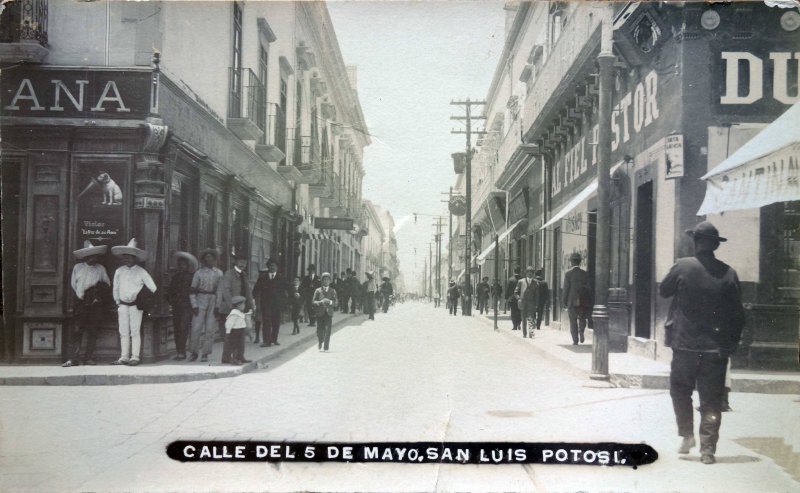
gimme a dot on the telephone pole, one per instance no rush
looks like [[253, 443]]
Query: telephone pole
[[439, 257], [468, 104], [430, 270]]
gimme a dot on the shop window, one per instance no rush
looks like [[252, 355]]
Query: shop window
[[180, 214]]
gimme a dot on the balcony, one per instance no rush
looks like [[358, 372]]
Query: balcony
[[23, 32], [579, 37], [334, 199], [247, 111], [310, 171], [273, 148], [323, 187]]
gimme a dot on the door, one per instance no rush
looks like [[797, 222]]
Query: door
[[643, 261]]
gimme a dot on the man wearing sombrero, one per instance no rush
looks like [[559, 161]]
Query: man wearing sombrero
[[178, 296], [129, 280], [89, 277], [703, 329]]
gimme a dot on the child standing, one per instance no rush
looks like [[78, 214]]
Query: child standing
[[235, 324], [296, 301]]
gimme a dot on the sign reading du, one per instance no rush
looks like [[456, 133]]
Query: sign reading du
[[747, 77]]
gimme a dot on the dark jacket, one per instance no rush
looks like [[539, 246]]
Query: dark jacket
[[511, 287], [453, 292], [296, 302], [483, 291], [178, 291], [271, 294], [577, 292], [386, 288], [307, 286], [706, 313], [233, 284]]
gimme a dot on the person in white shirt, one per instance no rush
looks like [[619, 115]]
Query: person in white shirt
[[324, 302], [89, 281], [129, 279], [235, 324]]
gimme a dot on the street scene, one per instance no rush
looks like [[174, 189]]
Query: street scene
[[541, 233]]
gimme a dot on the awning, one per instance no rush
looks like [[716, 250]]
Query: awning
[[482, 257], [763, 171], [461, 275], [576, 200]]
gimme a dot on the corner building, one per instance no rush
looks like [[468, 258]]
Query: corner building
[[691, 84], [230, 125]]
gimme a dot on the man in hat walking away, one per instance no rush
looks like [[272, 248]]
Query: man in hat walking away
[[541, 299], [387, 291], [344, 291], [204, 291], [370, 288], [526, 295], [324, 303], [271, 296], [91, 284], [703, 329], [497, 293], [577, 295], [354, 292], [129, 280], [235, 283], [178, 296], [512, 300], [309, 285], [483, 295], [453, 294]]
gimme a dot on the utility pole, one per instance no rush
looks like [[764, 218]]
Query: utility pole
[[439, 257], [468, 254], [430, 270], [450, 243]]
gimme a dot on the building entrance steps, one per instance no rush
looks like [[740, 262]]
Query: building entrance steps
[[168, 370], [633, 371]]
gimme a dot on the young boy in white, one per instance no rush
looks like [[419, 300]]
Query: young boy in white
[[235, 323], [128, 281]]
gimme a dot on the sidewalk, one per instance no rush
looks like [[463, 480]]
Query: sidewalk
[[630, 370], [166, 371]]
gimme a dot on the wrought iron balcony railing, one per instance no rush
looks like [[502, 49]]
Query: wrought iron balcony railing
[[24, 21], [247, 110]]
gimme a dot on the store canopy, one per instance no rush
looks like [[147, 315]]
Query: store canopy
[[763, 171], [576, 200], [482, 257]]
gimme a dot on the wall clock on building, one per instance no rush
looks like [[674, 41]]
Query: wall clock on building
[[709, 20], [790, 21]]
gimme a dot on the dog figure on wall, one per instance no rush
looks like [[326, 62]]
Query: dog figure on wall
[[112, 193]]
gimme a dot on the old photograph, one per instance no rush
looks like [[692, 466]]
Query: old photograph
[[400, 246]]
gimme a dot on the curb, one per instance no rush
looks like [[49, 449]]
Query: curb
[[101, 379], [661, 381]]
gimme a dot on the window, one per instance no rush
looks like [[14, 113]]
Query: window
[[263, 55], [236, 63], [557, 19], [280, 118], [298, 124]]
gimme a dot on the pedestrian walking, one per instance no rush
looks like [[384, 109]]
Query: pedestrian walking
[[308, 287], [296, 302], [91, 285], [512, 302], [542, 298], [370, 288], [703, 328], [344, 291], [205, 290], [453, 294], [497, 293], [577, 298], [325, 303], [354, 290], [387, 291], [179, 292], [525, 294], [271, 298], [129, 281], [482, 293], [235, 325], [234, 283]]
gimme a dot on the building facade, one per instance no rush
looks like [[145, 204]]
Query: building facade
[[691, 83], [235, 140]]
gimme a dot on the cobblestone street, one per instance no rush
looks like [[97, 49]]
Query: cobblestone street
[[414, 374]]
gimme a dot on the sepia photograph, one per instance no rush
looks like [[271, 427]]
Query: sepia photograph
[[400, 246]]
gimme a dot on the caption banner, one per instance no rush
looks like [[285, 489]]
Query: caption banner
[[593, 454]]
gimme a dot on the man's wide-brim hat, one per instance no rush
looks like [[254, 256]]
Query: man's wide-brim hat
[[236, 300], [370, 273], [270, 261], [452, 282], [193, 263], [208, 251], [130, 249], [705, 230], [530, 269], [325, 274], [385, 278], [89, 250]]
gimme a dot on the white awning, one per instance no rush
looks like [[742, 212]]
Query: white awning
[[576, 200], [763, 171], [482, 257], [461, 275]]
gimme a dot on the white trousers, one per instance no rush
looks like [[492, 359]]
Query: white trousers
[[130, 324]]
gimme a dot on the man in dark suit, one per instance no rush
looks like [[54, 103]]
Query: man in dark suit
[[310, 284], [483, 295], [541, 299], [234, 283], [703, 328], [511, 300], [576, 298], [343, 291], [525, 293], [271, 297], [355, 292]]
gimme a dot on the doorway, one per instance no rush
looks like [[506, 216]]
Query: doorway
[[643, 261]]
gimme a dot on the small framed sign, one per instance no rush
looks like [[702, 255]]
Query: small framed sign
[[673, 148]]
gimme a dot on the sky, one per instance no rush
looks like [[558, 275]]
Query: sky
[[414, 58]]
